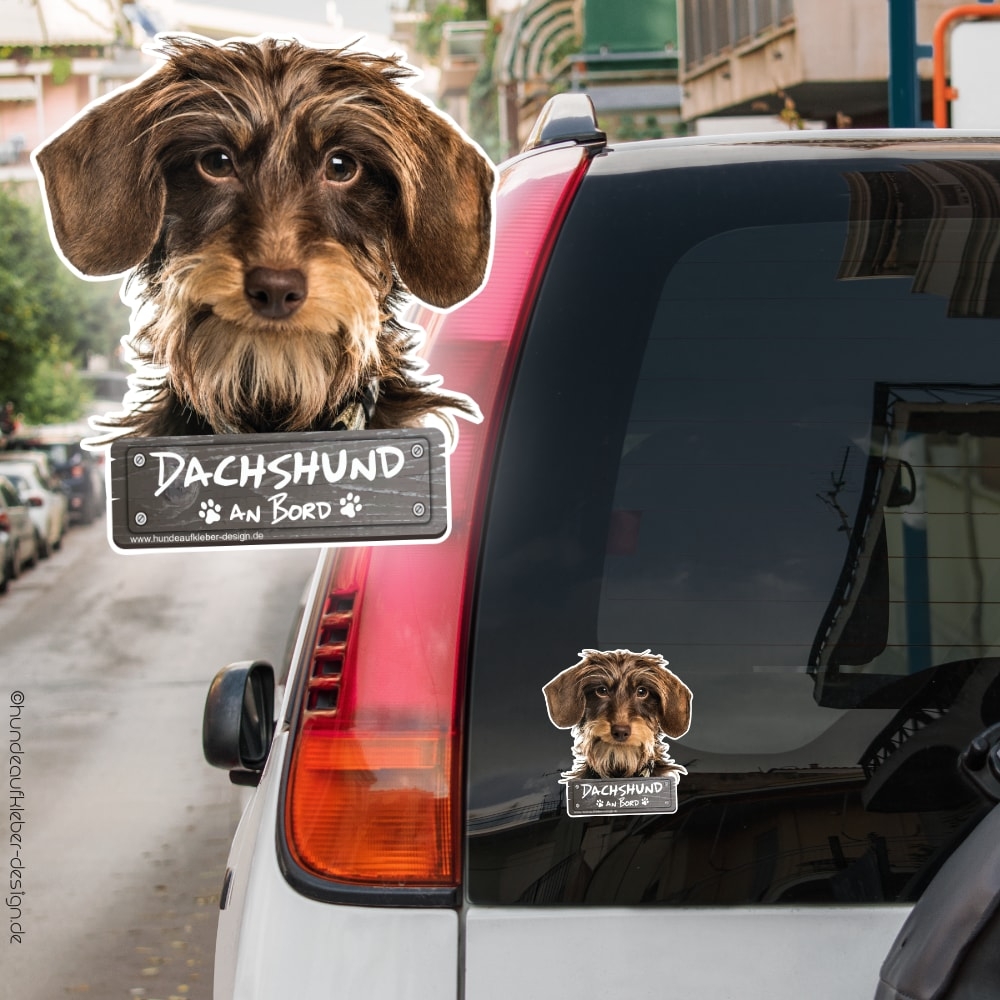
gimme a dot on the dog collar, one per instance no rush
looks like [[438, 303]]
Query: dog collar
[[357, 415]]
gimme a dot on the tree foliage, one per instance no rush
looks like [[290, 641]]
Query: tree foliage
[[484, 117], [431, 31], [50, 320]]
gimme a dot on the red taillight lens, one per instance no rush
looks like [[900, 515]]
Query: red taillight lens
[[374, 785], [4, 521]]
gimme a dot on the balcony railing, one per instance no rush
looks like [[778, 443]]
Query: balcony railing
[[714, 27]]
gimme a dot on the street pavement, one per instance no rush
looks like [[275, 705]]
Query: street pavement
[[105, 660]]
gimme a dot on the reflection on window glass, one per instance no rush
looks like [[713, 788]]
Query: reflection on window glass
[[783, 519]]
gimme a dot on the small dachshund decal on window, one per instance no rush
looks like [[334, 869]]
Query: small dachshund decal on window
[[620, 706]]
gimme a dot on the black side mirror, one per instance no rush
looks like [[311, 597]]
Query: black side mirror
[[238, 725], [904, 486], [949, 946]]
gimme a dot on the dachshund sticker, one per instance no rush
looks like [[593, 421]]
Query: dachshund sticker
[[620, 707]]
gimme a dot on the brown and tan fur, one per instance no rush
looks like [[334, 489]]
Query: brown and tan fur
[[620, 705], [275, 202]]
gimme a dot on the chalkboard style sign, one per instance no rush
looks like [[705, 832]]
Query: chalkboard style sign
[[621, 796], [314, 488]]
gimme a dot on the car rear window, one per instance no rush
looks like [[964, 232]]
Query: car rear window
[[18, 482], [756, 430], [9, 496], [59, 453]]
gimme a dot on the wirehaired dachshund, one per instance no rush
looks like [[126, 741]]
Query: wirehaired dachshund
[[620, 705], [273, 202]]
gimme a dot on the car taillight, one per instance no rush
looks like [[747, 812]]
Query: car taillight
[[373, 790], [4, 521], [77, 472]]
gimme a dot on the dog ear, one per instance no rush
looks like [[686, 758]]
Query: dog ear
[[676, 696], [105, 200], [440, 242], [564, 698]]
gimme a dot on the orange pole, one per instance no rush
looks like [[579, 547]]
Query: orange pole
[[942, 92]]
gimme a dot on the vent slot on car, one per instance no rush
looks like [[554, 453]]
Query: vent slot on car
[[328, 666], [328, 657], [323, 699], [333, 635]]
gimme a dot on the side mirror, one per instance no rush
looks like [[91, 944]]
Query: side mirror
[[238, 724], [947, 948], [904, 486]]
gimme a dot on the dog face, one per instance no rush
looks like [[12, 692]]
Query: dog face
[[271, 196], [618, 704]]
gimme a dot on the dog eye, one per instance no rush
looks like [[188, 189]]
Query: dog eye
[[601, 691], [217, 163], [341, 168], [642, 692]]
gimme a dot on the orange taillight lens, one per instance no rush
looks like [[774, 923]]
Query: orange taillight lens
[[375, 808]]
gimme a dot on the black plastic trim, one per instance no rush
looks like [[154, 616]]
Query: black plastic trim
[[566, 118], [227, 889]]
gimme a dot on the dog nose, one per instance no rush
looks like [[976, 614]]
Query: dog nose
[[274, 293], [620, 733]]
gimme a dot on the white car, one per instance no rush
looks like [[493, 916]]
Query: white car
[[18, 545], [46, 501], [741, 410]]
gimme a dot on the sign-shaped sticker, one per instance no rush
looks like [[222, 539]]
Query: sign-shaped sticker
[[621, 795], [315, 488]]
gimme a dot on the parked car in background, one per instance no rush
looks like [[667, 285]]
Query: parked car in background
[[41, 462], [45, 498], [108, 390], [18, 542], [740, 409], [80, 471]]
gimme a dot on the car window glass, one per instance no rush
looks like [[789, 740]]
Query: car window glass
[[758, 434], [59, 453], [745, 488]]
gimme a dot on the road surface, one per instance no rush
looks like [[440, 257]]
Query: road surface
[[105, 660]]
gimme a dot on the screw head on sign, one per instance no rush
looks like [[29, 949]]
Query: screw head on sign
[[418, 509], [139, 460], [417, 450], [140, 519]]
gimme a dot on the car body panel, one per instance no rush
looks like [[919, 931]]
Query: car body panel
[[780, 953], [326, 951]]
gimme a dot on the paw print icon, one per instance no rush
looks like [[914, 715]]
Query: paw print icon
[[350, 505], [210, 511]]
